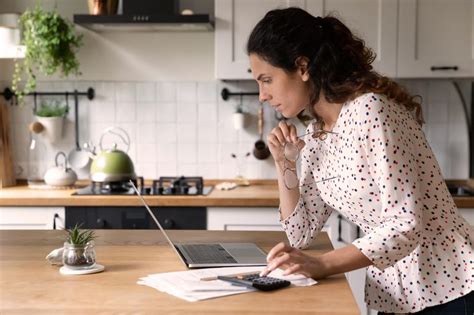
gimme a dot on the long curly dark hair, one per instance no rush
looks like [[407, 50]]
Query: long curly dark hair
[[339, 63]]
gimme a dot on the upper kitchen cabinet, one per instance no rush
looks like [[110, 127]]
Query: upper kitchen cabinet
[[375, 21], [234, 21], [435, 38]]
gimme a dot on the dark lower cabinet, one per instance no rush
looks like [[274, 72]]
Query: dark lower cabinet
[[185, 218]]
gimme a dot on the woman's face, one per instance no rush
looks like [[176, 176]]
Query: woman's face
[[288, 93]]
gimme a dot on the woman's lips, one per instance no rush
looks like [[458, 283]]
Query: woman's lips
[[277, 107]]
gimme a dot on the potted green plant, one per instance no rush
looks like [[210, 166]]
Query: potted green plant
[[51, 46], [79, 249], [51, 116]]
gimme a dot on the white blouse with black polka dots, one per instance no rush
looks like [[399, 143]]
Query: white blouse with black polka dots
[[388, 182]]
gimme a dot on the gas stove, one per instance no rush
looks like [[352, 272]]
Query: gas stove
[[179, 186]]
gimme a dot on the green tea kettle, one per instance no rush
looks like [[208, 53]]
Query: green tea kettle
[[113, 165]]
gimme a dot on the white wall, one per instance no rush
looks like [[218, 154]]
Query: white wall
[[130, 56]]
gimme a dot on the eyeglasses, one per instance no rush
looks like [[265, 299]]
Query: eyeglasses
[[291, 152]]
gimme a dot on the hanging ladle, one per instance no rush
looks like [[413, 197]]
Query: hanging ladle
[[260, 150]]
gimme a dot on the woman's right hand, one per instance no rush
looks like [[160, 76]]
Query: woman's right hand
[[280, 135]]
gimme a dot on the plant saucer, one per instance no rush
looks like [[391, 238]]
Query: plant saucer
[[67, 271]]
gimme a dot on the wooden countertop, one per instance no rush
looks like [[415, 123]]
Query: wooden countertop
[[28, 284], [261, 193]]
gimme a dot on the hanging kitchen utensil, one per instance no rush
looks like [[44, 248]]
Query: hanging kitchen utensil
[[113, 165], [260, 150]]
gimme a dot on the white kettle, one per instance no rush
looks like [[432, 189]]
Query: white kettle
[[60, 175]]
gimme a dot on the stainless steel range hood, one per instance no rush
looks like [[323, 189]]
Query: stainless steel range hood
[[146, 15]]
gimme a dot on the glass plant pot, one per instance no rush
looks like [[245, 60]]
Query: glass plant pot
[[79, 257]]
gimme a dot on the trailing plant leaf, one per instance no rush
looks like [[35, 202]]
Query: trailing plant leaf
[[52, 109], [51, 46]]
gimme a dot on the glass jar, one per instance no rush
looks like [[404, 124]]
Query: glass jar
[[36, 164], [78, 257]]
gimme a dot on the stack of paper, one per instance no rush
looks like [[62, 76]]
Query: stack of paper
[[190, 286]]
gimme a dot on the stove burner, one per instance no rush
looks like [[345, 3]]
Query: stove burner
[[163, 186], [116, 187], [178, 186]]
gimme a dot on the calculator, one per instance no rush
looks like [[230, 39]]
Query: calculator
[[255, 281]]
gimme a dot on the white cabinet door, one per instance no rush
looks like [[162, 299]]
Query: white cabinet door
[[374, 21], [435, 37], [235, 19], [32, 218], [250, 219]]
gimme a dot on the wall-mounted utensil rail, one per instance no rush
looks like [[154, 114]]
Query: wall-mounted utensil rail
[[9, 95], [225, 94]]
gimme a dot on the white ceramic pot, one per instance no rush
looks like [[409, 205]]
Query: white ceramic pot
[[53, 128]]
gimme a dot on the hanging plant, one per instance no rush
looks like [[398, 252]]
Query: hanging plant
[[51, 46]]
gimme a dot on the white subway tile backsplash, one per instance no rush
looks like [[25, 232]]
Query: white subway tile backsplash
[[102, 112], [146, 153], [146, 133], [166, 92], [207, 153], [207, 92], [207, 112], [166, 133], [187, 153], [187, 132], [208, 170], [147, 170], [185, 128], [146, 92], [187, 169], [186, 92], [166, 169], [126, 112], [104, 91], [207, 133], [166, 152], [166, 112], [125, 92], [186, 112], [146, 112]]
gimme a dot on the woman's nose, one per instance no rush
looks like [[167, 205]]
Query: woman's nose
[[263, 96]]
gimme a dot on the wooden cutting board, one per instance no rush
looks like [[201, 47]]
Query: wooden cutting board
[[7, 174]]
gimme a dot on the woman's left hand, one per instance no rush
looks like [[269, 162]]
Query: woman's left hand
[[293, 261]]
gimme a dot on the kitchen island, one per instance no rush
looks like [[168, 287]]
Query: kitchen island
[[28, 284]]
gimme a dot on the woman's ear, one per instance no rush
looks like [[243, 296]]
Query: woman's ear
[[302, 66]]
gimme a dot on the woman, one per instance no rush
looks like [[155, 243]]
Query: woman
[[364, 155]]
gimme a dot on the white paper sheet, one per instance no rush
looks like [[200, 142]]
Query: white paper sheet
[[188, 285]]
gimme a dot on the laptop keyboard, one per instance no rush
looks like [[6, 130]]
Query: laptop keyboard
[[208, 253]]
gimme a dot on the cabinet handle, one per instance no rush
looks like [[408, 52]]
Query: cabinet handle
[[54, 220], [441, 68], [339, 229], [100, 223], [249, 70]]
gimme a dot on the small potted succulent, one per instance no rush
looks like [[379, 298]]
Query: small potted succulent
[[79, 249], [51, 116]]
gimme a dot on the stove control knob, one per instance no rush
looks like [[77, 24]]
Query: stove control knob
[[168, 223], [100, 223]]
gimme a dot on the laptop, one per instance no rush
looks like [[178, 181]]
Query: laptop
[[212, 255]]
